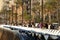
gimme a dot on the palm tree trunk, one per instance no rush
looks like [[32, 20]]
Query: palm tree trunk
[[22, 11], [6, 17], [58, 12], [57, 16], [12, 15], [9, 17], [16, 16]]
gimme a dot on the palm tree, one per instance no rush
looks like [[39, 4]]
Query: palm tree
[[51, 7], [36, 9]]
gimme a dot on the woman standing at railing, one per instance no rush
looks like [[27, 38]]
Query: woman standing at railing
[[40, 25]]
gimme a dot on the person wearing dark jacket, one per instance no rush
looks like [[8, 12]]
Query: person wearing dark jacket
[[46, 25], [51, 27]]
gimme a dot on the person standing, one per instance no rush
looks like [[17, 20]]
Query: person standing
[[46, 25], [40, 25]]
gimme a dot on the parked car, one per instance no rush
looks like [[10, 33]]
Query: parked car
[[55, 25]]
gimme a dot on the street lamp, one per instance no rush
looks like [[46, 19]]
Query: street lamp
[[42, 10]]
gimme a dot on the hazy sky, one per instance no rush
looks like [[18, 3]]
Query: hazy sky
[[1, 4]]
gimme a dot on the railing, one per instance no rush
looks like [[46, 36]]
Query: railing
[[36, 31]]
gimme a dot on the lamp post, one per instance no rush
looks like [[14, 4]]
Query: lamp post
[[42, 10], [22, 10], [58, 9], [16, 15], [12, 15]]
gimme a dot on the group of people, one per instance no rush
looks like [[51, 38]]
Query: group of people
[[39, 25], [42, 25], [45, 25]]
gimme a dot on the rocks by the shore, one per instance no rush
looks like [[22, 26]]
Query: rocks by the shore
[[7, 35]]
